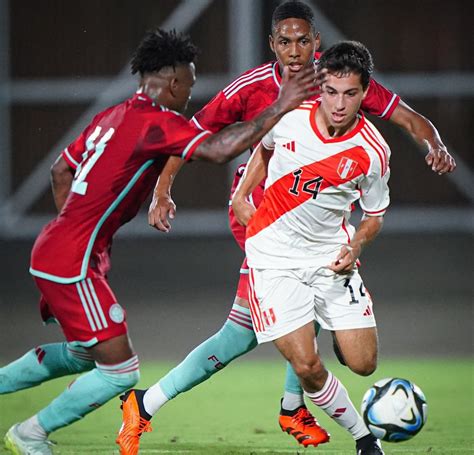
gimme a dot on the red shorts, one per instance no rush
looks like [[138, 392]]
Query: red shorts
[[243, 286], [238, 231], [87, 311]]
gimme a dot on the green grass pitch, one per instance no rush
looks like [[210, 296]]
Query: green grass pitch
[[236, 412]]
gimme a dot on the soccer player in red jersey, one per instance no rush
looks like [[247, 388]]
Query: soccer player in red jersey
[[99, 183], [295, 42]]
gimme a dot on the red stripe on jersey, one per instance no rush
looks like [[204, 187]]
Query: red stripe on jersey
[[245, 77], [278, 200], [378, 212], [371, 132], [377, 149], [344, 228]]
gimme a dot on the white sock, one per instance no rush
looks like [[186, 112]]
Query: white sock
[[31, 429], [291, 401], [154, 399], [334, 400]]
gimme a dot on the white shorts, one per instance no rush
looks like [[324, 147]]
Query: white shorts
[[282, 301]]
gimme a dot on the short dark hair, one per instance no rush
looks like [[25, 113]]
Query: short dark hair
[[293, 9], [348, 57], [160, 48]]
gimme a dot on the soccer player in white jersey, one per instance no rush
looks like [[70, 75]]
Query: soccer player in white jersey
[[301, 249]]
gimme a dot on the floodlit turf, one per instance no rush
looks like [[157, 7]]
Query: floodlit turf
[[236, 412]]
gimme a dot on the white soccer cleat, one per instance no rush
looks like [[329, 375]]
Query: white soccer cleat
[[19, 445]]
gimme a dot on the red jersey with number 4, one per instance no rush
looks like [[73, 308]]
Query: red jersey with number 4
[[117, 160], [250, 94]]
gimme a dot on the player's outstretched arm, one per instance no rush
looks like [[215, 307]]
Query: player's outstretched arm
[[425, 133], [61, 180], [367, 230], [235, 139], [162, 207], [255, 172]]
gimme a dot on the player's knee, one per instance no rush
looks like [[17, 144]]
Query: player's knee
[[307, 369], [122, 376], [365, 367]]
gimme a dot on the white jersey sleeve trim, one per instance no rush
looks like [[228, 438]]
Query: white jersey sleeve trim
[[251, 81], [245, 77], [184, 155], [384, 113], [194, 120], [70, 158]]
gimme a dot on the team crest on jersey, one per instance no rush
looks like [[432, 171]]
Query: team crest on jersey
[[116, 313], [346, 167]]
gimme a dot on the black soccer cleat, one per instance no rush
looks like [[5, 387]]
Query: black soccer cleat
[[369, 445]]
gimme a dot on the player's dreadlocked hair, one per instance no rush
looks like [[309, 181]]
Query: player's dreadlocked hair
[[348, 57], [159, 49], [293, 9]]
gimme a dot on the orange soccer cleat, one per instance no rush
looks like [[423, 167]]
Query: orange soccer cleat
[[301, 424], [133, 422]]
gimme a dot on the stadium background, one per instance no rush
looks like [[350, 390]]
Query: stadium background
[[63, 61]]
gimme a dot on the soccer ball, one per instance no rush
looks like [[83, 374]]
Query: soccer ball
[[394, 409]]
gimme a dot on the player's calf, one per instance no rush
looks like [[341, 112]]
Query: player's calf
[[44, 362]]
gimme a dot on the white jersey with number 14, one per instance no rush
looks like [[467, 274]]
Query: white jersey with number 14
[[312, 182]]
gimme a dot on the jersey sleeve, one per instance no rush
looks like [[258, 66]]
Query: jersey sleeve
[[219, 113], [72, 154], [268, 140], [374, 191], [174, 135], [379, 100]]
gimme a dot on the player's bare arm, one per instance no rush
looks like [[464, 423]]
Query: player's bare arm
[[426, 134], [234, 139], [162, 207], [368, 229], [61, 180], [254, 173]]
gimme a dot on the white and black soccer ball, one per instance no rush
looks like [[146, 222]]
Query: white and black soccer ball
[[394, 409]]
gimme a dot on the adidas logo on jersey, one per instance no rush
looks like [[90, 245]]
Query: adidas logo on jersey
[[290, 146], [368, 311]]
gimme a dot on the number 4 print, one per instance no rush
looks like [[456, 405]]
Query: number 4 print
[[347, 284], [89, 158]]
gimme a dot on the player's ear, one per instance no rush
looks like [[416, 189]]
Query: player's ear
[[365, 93], [173, 86], [271, 43], [317, 41]]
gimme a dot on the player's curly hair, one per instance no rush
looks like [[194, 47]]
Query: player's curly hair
[[160, 48], [348, 57], [293, 9]]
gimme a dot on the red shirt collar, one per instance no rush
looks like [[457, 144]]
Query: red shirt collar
[[350, 134]]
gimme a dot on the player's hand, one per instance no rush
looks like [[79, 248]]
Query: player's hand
[[162, 209], [243, 210], [346, 259], [296, 88], [440, 160]]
